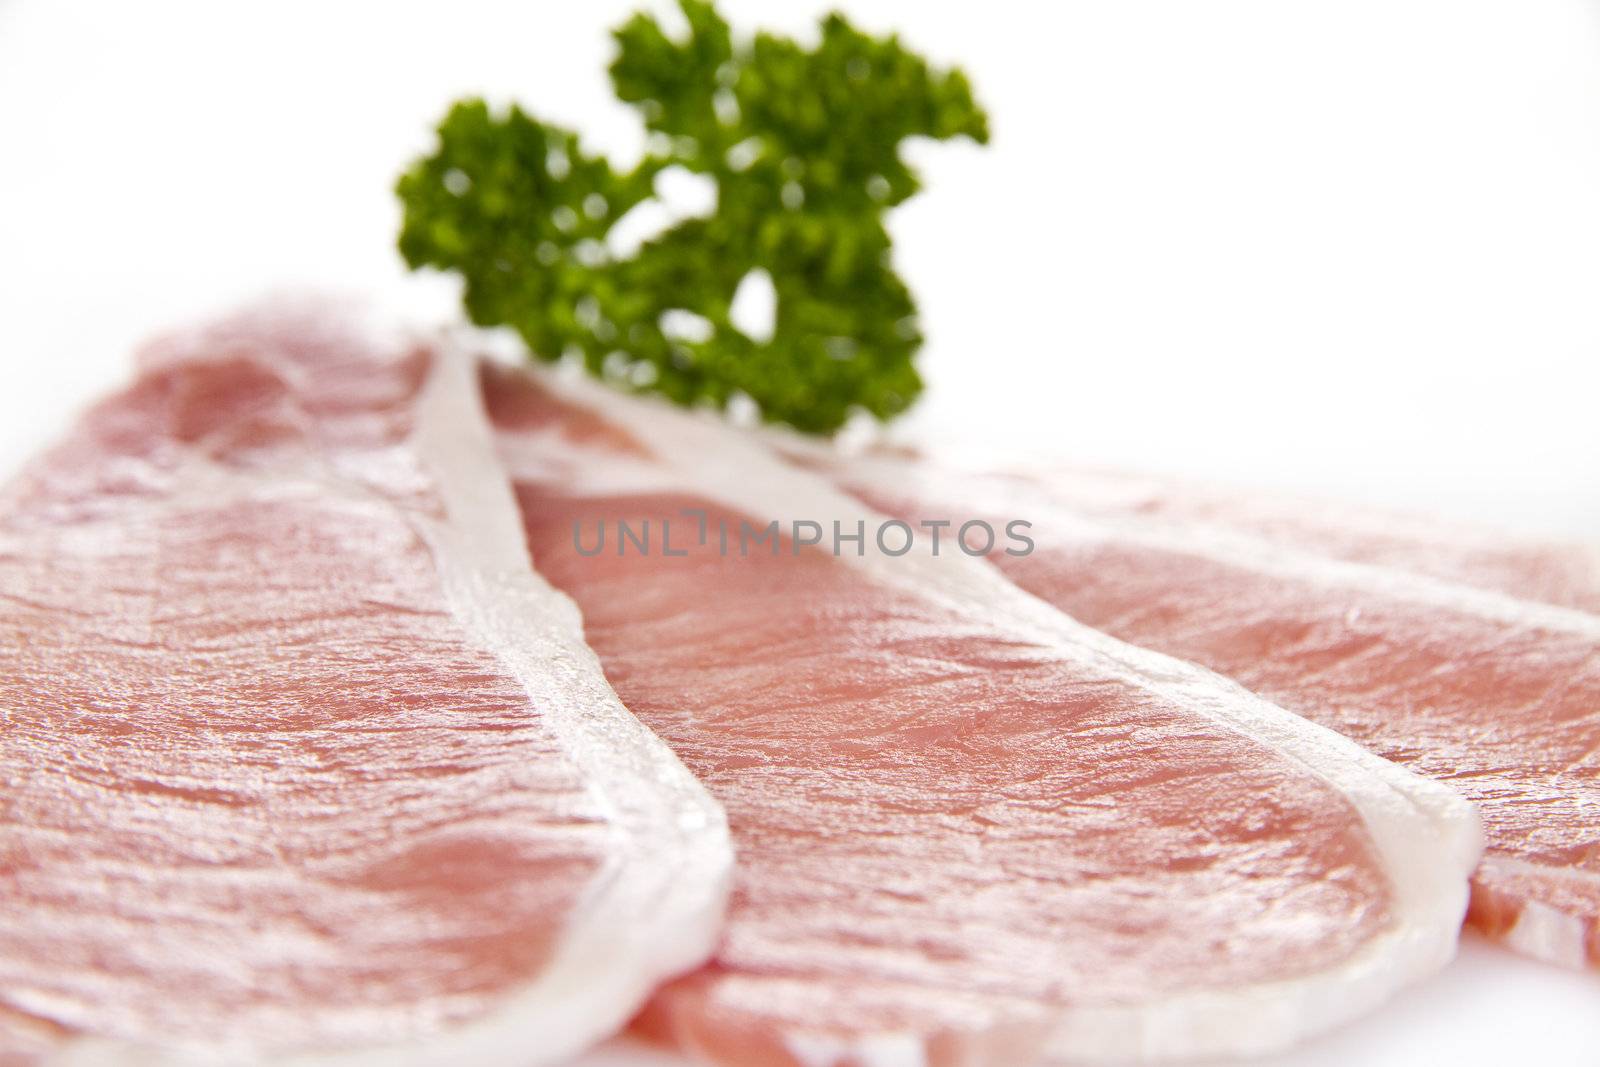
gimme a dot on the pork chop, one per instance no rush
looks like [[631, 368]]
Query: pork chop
[[302, 762]]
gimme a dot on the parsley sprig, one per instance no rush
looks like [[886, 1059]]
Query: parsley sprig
[[804, 148]]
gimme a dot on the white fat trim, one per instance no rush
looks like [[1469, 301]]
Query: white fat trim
[[1426, 836], [1550, 935], [873, 1050], [1498, 861]]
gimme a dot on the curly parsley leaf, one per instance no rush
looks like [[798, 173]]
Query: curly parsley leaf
[[804, 148]]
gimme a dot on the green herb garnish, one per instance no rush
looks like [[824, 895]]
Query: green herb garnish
[[804, 147]]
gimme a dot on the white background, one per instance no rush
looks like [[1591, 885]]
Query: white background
[[1350, 246]]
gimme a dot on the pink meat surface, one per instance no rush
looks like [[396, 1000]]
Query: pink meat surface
[[968, 830], [300, 758], [1498, 697]]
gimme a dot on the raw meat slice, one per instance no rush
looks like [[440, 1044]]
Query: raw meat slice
[[1551, 572], [1496, 696], [302, 762], [968, 830]]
